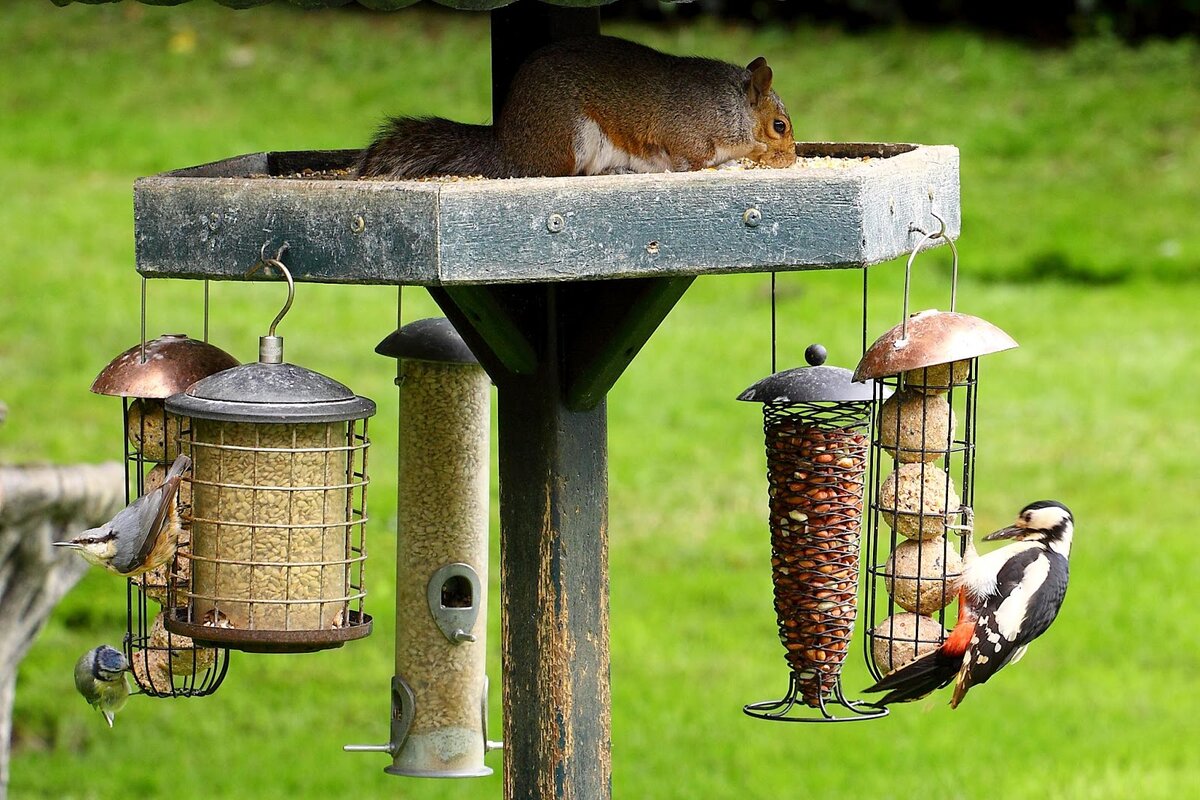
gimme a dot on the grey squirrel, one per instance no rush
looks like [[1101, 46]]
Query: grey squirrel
[[600, 105]]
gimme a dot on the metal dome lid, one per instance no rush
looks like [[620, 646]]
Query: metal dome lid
[[815, 383], [265, 392], [433, 339], [172, 363], [928, 338]]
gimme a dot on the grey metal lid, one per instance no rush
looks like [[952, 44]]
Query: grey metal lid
[[261, 392], [432, 339], [815, 383], [172, 363]]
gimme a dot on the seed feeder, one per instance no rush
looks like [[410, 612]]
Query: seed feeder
[[163, 664], [925, 372], [279, 480], [439, 691], [816, 424]]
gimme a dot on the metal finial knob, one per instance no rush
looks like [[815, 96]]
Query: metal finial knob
[[815, 355]]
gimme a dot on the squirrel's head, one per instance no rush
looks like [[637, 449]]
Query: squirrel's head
[[772, 125]]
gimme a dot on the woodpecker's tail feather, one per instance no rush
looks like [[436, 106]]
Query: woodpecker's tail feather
[[918, 678], [414, 147]]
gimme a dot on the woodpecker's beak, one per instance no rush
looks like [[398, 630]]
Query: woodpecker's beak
[[1011, 532]]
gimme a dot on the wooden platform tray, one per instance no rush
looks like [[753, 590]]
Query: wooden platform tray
[[843, 205]]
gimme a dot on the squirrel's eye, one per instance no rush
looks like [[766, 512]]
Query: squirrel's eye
[[780, 127]]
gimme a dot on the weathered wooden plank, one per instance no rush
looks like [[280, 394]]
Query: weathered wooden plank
[[554, 580], [361, 232], [839, 211]]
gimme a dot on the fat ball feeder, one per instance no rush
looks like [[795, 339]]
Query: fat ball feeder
[[279, 485], [816, 423], [163, 664], [925, 371]]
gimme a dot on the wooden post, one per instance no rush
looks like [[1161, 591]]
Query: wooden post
[[540, 342]]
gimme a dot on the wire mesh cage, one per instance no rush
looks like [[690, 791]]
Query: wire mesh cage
[[921, 483], [163, 664], [815, 423], [279, 506]]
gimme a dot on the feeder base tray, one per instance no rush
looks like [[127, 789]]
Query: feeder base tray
[[268, 641]]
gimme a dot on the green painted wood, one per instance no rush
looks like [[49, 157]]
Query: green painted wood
[[606, 325], [495, 312], [835, 212], [519, 29]]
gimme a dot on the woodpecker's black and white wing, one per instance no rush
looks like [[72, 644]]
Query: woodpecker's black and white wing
[[1029, 592]]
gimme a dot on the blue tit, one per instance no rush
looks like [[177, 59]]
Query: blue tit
[[100, 678], [142, 536]]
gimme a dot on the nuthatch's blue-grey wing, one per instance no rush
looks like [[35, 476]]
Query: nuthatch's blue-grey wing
[[139, 524]]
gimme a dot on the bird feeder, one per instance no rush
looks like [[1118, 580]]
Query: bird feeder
[[921, 484], [439, 691], [279, 480], [816, 424], [163, 664]]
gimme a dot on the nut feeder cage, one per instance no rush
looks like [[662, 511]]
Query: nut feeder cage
[[926, 373], [816, 424], [164, 664], [279, 484]]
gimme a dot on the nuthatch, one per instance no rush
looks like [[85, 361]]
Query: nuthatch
[[100, 678], [1008, 598], [143, 535]]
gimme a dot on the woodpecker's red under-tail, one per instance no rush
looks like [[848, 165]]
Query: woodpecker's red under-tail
[[931, 671]]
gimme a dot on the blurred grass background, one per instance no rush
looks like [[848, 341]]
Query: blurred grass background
[[1081, 237]]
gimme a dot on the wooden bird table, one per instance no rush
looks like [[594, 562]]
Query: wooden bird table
[[555, 283]]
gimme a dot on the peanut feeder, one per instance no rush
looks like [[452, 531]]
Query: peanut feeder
[[439, 691], [921, 485], [163, 664], [279, 479], [816, 422]]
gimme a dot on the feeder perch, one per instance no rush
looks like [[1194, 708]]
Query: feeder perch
[[439, 692], [163, 664], [279, 480], [816, 423], [925, 372]]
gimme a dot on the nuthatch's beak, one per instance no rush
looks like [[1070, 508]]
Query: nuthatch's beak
[[68, 544], [1011, 532]]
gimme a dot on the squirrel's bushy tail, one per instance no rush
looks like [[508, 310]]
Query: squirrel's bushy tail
[[413, 147]]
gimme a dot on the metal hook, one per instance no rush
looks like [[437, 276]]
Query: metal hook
[[925, 237], [266, 264]]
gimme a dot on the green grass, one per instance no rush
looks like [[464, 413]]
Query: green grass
[[1080, 238]]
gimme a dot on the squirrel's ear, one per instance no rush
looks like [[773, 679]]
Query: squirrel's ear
[[760, 79]]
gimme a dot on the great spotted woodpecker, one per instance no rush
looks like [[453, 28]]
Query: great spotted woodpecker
[[1007, 598], [142, 536]]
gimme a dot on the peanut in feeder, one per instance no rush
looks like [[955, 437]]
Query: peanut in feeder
[[143, 376], [278, 506], [815, 420], [930, 363]]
